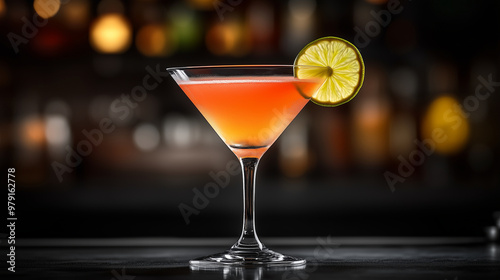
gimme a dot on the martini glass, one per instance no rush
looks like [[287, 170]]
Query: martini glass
[[248, 106]]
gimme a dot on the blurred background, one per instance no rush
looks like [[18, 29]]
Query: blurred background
[[105, 144]]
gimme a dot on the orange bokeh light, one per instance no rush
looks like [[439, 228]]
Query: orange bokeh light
[[152, 40], [2, 8], [226, 39], [32, 131], [76, 13], [46, 9]]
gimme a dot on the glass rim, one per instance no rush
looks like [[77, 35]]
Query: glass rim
[[242, 66]]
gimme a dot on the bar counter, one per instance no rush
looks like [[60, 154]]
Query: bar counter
[[327, 258]]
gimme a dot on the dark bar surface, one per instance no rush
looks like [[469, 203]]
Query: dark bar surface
[[327, 258]]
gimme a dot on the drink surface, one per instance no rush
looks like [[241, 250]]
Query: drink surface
[[249, 113]]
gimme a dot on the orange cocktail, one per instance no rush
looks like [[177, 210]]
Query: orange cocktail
[[249, 113]]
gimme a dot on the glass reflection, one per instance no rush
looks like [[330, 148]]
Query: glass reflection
[[250, 273]]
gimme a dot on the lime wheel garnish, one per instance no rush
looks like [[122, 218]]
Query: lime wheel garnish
[[343, 67]]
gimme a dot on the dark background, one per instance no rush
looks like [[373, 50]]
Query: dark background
[[324, 176]]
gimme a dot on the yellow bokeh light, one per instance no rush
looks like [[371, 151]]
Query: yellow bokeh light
[[111, 33], [151, 40], [446, 125], [46, 8]]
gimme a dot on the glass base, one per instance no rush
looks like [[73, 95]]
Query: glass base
[[232, 257]]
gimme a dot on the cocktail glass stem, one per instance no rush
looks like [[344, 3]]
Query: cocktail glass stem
[[249, 241], [248, 250]]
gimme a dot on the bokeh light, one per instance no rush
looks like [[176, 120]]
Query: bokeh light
[[294, 157], [260, 21], [446, 125], [222, 38], [46, 9], [186, 27], [111, 33], [370, 127], [57, 130], [76, 13], [226, 38], [32, 129], [146, 137], [153, 40], [178, 131], [299, 26], [50, 41], [302, 9], [371, 115], [403, 132], [2, 8]]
